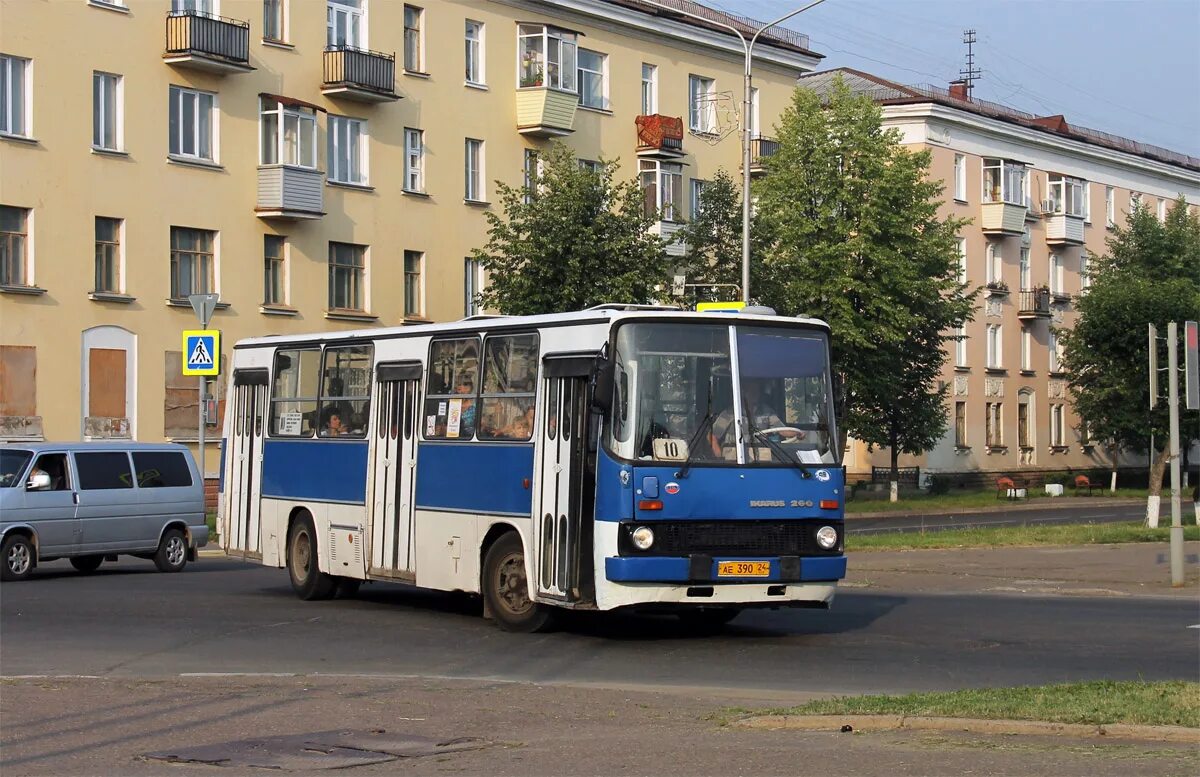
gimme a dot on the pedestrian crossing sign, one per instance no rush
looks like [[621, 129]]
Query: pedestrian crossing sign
[[201, 352]]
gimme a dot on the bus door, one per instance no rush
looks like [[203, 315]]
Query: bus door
[[559, 537], [243, 490], [392, 474]]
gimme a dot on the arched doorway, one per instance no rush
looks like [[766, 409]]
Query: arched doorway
[[108, 383]]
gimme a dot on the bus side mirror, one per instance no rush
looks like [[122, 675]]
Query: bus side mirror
[[602, 385]]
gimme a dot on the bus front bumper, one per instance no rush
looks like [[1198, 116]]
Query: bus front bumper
[[700, 569]]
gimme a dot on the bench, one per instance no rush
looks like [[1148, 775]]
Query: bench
[[1083, 483], [1010, 488]]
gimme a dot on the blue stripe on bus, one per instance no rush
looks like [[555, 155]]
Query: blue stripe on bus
[[475, 477], [676, 569], [750, 492], [321, 470]]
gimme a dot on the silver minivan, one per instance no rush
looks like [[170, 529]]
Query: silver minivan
[[90, 501]]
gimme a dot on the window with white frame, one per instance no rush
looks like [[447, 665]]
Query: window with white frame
[[191, 124], [962, 260], [472, 286], [1066, 195], [994, 424], [110, 274], [414, 292], [1162, 210], [14, 95], [473, 171], [1026, 349], [546, 57], [345, 24], [697, 197], [1026, 271], [532, 171], [1004, 181], [106, 111], [275, 20], [662, 189], [960, 424], [995, 265], [1085, 270], [754, 112], [1135, 201], [414, 49], [288, 134], [275, 291], [193, 262], [347, 276], [960, 177], [1054, 348], [192, 6], [995, 346], [960, 347], [591, 165], [474, 61], [1056, 274], [702, 104], [1110, 206], [15, 267], [593, 79], [414, 160], [649, 89], [347, 153], [1058, 425]]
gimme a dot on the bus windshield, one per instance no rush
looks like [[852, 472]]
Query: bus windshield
[[710, 393]]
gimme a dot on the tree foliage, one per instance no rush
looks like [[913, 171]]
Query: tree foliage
[[577, 238], [1151, 275], [847, 230], [714, 239]]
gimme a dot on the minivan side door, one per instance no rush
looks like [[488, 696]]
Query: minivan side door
[[52, 512], [108, 510]]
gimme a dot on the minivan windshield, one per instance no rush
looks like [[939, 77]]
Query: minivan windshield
[[707, 393], [12, 464]]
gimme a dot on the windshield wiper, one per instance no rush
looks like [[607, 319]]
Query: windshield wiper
[[696, 437], [777, 448]]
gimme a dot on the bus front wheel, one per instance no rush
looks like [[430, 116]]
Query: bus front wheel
[[308, 581], [506, 587]]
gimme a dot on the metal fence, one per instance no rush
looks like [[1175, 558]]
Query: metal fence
[[191, 32], [360, 67]]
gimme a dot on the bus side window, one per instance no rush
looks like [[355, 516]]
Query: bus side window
[[451, 399], [509, 383], [346, 391], [294, 393]]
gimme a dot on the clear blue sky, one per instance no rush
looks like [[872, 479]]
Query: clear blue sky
[[1129, 67]]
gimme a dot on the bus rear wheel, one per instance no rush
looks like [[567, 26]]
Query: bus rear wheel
[[308, 581], [506, 588]]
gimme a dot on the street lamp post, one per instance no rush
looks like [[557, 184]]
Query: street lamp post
[[748, 48]]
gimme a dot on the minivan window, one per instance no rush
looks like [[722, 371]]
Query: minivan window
[[54, 465], [12, 464], [103, 471], [161, 469]]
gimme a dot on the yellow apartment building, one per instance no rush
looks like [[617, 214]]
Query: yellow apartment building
[[319, 164]]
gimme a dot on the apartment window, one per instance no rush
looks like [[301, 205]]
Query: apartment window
[[412, 284], [994, 424], [344, 24], [1055, 352], [1135, 201], [1058, 425], [288, 134], [532, 170], [1066, 195], [473, 171], [702, 104], [547, 57], [414, 160], [960, 347], [1026, 349], [191, 124], [474, 53], [414, 52], [1026, 271], [106, 111], [697, 196], [18, 391], [1003, 181], [995, 265], [472, 286], [1085, 270], [662, 189], [1162, 210], [347, 158], [193, 262], [962, 260], [1110, 206], [1023, 422], [347, 276], [14, 252], [192, 6], [960, 424], [108, 255], [14, 95], [960, 177], [1056, 274], [995, 346], [649, 89], [593, 79], [274, 20], [274, 270]]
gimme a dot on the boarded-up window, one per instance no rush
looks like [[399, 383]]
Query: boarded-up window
[[18, 380], [179, 405], [106, 383]]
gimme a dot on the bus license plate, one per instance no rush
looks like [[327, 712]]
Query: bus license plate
[[743, 568]]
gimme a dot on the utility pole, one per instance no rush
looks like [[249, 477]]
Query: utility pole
[[970, 73], [1173, 407]]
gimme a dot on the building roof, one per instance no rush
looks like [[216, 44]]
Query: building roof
[[886, 92], [779, 37]]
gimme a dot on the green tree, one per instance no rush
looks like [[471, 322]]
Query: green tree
[[714, 240], [575, 239], [847, 230], [1151, 275]]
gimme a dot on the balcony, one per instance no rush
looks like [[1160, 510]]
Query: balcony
[[1034, 304], [1002, 218], [1062, 229], [206, 42], [761, 148], [290, 193], [358, 74], [666, 230], [543, 112], [659, 136]]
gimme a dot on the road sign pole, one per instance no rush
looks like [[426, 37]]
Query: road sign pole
[[203, 305], [1173, 407]]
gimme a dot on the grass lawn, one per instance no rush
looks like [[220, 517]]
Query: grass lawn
[[872, 502], [1174, 703], [1038, 534]]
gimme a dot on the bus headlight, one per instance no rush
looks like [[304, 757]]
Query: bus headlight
[[827, 537], [643, 537]]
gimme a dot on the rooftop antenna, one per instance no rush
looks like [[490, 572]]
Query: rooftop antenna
[[970, 73]]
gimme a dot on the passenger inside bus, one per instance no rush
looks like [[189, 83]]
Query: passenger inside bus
[[755, 407], [466, 423], [520, 428], [332, 425]]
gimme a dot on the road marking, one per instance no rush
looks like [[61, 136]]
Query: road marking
[[1197, 626]]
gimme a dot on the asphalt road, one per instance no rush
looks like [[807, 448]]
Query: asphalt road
[[1019, 515], [222, 616]]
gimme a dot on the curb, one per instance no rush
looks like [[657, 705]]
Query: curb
[[210, 553], [1005, 507], [1177, 734]]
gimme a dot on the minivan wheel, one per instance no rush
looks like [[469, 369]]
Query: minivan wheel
[[19, 557], [308, 581], [172, 552], [87, 564]]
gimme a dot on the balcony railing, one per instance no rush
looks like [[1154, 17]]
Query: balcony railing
[[659, 135], [207, 40], [359, 73], [1035, 303], [761, 148]]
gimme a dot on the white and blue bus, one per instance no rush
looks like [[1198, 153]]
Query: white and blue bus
[[618, 457]]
